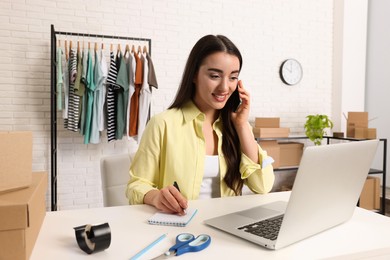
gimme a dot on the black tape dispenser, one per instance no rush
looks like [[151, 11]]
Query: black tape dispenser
[[93, 238]]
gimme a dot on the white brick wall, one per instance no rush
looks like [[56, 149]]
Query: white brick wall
[[267, 32]]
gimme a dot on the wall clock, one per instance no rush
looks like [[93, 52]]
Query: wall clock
[[291, 72]]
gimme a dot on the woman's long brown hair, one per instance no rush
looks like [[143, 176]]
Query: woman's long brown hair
[[231, 147]]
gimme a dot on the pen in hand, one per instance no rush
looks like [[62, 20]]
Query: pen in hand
[[177, 187]]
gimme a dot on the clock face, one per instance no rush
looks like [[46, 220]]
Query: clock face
[[291, 72]]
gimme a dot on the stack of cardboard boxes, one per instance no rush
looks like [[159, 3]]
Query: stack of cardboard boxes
[[22, 196], [289, 153], [370, 198], [357, 126], [269, 127], [284, 153]]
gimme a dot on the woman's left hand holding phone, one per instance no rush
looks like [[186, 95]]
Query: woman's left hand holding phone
[[240, 116], [168, 200]]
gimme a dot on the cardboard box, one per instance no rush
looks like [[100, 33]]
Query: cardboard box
[[359, 132], [271, 132], [338, 134], [365, 133], [290, 153], [272, 148], [371, 133], [370, 198], [267, 122], [15, 160], [358, 117], [21, 216], [356, 120]]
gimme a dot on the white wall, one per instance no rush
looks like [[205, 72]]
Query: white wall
[[267, 32], [349, 59], [378, 68]]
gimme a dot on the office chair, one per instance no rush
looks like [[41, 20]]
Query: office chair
[[114, 171]]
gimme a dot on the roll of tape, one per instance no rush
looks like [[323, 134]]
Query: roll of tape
[[93, 238]]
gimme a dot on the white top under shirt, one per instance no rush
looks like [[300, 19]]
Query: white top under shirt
[[210, 187]]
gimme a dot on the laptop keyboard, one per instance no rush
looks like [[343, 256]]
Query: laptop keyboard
[[268, 228]]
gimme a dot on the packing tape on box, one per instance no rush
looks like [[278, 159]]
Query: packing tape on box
[[93, 238]]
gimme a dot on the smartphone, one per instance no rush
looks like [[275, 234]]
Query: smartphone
[[236, 100]]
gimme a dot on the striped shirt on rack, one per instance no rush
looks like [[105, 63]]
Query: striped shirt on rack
[[111, 106]]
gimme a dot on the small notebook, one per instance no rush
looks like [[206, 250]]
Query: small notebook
[[165, 219]]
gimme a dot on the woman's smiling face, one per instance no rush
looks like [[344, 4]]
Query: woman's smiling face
[[216, 80]]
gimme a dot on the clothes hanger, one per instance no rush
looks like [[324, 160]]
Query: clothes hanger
[[89, 42], [145, 50], [133, 49], [118, 47], [66, 49], [96, 46]]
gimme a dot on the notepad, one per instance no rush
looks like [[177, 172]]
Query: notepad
[[166, 219]]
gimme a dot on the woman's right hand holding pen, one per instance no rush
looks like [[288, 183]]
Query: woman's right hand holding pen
[[168, 200]]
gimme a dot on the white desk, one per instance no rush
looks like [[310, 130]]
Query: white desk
[[366, 235]]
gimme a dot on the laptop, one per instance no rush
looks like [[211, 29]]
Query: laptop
[[325, 193]]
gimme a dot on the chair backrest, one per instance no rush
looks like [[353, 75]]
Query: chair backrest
[[114, 171]]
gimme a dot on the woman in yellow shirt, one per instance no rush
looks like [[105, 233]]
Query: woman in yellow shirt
[[203, 141]]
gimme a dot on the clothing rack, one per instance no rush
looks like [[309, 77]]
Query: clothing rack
[[53, 97]]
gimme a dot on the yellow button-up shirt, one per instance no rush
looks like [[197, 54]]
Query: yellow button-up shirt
[[173, 148]]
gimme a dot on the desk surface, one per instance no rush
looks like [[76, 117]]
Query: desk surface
[[366, 235]]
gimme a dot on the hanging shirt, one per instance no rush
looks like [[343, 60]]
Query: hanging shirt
[[122, 92], [145, 99], [74, 99], [90, 89], [131, 68], [60, 78], [111, 107], [135, 97], [98, 97], [101, 88], [152, 78], [83, 63], [126, 116], [65, 73]]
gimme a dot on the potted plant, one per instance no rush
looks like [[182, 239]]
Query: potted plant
[[315, 127]]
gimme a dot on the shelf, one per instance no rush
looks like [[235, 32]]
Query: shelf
[[292, 168], [328, 139], [289, 168], [375, 171]]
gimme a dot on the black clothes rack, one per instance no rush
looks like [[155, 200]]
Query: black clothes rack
[[53, 94]]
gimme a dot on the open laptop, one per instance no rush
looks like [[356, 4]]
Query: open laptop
[[326, 190]]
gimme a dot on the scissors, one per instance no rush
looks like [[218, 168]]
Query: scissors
[[186, 243]]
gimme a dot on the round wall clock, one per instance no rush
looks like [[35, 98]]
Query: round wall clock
[[291, 72]]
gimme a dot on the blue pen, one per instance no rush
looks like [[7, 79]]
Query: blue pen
[[143, 251]]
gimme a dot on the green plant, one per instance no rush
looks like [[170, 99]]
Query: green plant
[[315, 125]]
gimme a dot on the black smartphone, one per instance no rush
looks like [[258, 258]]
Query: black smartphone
[[236, 101]]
